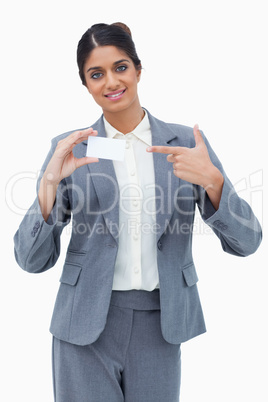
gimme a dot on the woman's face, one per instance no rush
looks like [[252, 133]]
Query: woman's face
[[111, 78]]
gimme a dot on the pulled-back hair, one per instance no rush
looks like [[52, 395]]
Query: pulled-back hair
[[117, 34]]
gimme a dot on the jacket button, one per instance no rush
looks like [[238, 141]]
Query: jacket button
[[33, 234], [220, 225], [37, 224]]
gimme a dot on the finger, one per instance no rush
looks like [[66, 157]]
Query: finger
[[66, 145], [80, 136], [171, 158], [85, 161], [84, 134], [165, 150], [80, 133], [74, 137], [176, 166], [198, 136]]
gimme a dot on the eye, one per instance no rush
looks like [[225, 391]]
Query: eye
[[95, 76], [121, 68]]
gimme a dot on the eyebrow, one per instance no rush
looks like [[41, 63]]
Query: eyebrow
[[114, 64]]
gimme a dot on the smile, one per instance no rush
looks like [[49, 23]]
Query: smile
[[115, 95]]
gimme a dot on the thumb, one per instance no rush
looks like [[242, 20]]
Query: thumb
[[197, 135]]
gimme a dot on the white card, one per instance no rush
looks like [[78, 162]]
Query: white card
[[106, 148]]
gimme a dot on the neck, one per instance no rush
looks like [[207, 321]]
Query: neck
[[126, 120]]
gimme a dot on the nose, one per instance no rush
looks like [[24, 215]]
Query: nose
[[112, 81]]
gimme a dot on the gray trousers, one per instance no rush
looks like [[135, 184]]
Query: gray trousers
[[130, 361]]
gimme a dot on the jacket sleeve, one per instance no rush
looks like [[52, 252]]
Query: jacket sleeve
[[37, 243], [234, 222]]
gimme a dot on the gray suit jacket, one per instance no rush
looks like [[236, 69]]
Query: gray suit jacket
[[91, 194]]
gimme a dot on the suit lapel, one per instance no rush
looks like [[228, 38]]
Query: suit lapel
[[106, 186], [165, 182]]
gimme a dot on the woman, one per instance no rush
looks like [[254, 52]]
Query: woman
[[128, 296]]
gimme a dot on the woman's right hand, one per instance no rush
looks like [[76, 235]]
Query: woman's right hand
[[62, 164]]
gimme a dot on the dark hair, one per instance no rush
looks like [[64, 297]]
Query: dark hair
[[117, 34]]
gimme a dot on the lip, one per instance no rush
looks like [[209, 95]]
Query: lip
[[113, 96]]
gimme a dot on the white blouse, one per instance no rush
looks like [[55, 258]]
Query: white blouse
[[136, 263]]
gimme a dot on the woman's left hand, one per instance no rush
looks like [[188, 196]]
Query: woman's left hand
[[194, 165]]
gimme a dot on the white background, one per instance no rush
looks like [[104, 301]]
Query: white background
[[204, 62]]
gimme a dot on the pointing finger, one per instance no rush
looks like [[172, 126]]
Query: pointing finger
[[164, 149]]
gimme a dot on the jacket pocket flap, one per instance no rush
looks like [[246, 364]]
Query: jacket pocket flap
[[70, 274], [190, 275]]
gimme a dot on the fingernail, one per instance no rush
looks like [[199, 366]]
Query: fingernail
[[149, 149]]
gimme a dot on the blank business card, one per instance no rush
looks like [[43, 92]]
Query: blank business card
[[106, 148]]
